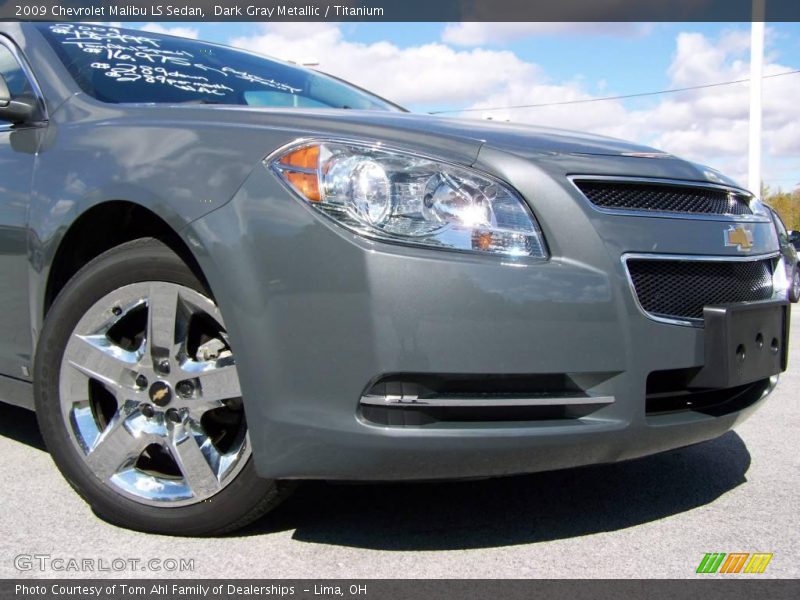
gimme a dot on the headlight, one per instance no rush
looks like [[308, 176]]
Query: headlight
[[780, 282], [757, 207], [396, 196]]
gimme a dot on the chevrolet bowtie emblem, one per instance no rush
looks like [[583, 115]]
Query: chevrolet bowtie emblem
[[160, 394], [740, 237]]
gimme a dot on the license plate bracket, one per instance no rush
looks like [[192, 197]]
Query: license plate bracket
[[744, 343]]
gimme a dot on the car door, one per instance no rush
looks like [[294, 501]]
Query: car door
[[17, 156]]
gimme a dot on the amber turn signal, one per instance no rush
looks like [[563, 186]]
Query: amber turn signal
[[304, 179]]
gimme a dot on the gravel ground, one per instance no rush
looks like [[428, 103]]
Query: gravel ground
[[653, 517]]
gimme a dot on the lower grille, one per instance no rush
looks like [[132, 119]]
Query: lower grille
[[659, 197], [682, 288], [420, 399], [670, 392]]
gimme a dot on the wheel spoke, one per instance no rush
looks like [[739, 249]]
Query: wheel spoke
[[200, 406], [197, 459], [98, 358], [118, 445], [162, 320], [218, 384]]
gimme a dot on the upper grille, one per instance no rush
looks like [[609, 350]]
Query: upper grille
[[617, 195], [681, 288]]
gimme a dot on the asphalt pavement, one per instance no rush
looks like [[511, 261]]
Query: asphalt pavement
[[652, 517]]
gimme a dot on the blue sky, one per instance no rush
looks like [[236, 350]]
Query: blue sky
[[563, 63], [623, 62]]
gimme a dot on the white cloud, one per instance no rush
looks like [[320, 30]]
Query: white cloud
[[430, 73], [187, 32], [785, 141], [478, 33], [707, 126], [698, 60], [712, 124]]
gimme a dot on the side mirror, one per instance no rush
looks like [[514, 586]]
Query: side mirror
[[21, 109]]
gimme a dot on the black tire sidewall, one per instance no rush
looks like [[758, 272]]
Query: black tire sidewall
[[134, 262]]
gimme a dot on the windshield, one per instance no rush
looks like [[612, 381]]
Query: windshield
[[124, 65]]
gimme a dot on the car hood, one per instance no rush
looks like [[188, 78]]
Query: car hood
[[391, 126], [457, 140], [526, 139]]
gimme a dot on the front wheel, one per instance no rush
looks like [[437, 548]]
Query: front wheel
[[138, 399], [794, 287]]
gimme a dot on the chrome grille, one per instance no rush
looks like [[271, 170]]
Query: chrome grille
[[681, 288], [664, 197]]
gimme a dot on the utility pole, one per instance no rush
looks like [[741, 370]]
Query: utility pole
[[756, 80]]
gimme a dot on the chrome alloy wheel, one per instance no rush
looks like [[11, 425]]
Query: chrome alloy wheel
[[150, 395]]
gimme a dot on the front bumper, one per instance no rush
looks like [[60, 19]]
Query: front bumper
[[317, 315]]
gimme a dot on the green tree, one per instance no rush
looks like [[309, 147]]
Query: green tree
[[786, 204]]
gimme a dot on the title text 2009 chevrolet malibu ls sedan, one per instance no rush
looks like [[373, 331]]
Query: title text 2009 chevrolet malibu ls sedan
[[192, 235]]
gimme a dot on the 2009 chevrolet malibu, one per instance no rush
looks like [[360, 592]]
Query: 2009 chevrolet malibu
[[222, 273]]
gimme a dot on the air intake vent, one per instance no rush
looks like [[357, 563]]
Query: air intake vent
[[660, 197], [418, 399], [681, 288]]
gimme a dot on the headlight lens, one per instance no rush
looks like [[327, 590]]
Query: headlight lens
[[757, 207], [780, 281], [400, 197]]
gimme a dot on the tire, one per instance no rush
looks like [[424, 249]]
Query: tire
[[101, 376], [794, 285]]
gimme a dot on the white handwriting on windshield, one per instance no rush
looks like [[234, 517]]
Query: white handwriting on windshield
[[127, 58], [92, 33], [182, 81], [261, 80]]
